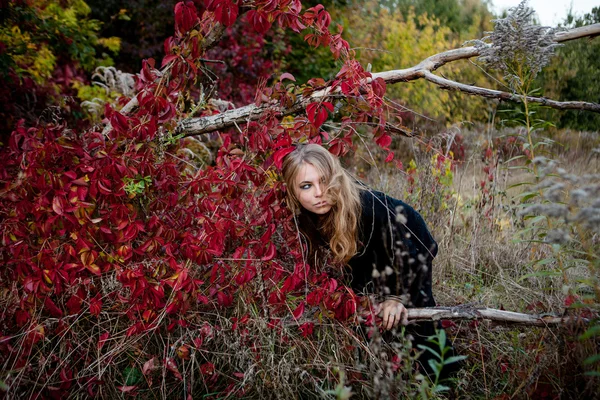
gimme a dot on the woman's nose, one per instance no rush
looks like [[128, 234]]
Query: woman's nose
[[318, 191]]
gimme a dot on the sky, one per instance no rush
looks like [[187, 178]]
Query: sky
[[550, 12]]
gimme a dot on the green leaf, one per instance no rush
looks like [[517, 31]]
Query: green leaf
[[442, 338], [535, 219], [517, 167], [591, 332], [592, 373], [540, 274], [426, 348], [592, 359], [440, 388], [544, 261], [527, 195], [132, 376], [454, 359], [436, 366]]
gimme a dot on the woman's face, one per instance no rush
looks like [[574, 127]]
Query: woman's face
[[309, 189]]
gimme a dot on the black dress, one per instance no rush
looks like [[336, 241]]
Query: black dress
[[394, 258]]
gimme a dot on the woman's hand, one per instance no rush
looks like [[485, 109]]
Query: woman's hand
[[392, 312]]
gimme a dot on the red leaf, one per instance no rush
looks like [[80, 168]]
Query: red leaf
[[57, 205], [287, 75], [224, 299], [280, 154], [321, 117], [22, 317], [389, 157], [149, 366], [384, 141], [74, 305], [126, 389], [569, 300], [298, 311], [52, 308], [378, 87], [327, 105], [317, 113], [169, 58], [312, 39], [103, 339], [207, 369], [172, 366], [96, 305], [447, 323], [315, 297], [306, 329], [119, 122], [66, 376], [311, 110], [226, 11], [270, 253], [104, 189], [259, 20], [185, 16], [264, 239]]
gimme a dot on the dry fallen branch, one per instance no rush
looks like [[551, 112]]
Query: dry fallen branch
[[436, 61], [423, 70], [470, 312]]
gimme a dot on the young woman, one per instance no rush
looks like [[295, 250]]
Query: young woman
[[384, 242]]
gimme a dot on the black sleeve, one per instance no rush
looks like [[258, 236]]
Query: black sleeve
[[414, 252], [395, 243]]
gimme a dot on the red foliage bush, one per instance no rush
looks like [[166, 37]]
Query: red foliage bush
[[109, 240]]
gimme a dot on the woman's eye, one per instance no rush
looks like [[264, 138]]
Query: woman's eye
[[305, 186]]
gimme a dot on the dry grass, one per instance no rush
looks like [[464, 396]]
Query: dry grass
[[483, 261]]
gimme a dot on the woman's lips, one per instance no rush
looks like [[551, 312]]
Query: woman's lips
[[321, 204]]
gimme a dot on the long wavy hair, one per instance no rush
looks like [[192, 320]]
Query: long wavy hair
[[338, 229]]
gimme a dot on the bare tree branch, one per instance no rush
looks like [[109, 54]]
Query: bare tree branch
[[423, 70], [592, 31], [470, 312], [491, 93], [436, 61]]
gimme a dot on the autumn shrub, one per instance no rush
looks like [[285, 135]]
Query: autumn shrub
[[130, 270]]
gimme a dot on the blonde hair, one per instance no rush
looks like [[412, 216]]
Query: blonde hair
[[339, 227]]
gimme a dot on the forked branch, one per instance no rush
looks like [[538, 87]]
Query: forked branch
[[423, 70], [444, 83]]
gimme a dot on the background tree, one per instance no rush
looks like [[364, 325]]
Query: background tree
[[46, 48], [574, 74], [399, 34]]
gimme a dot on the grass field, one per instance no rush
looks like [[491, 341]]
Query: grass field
[[490, 254]]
